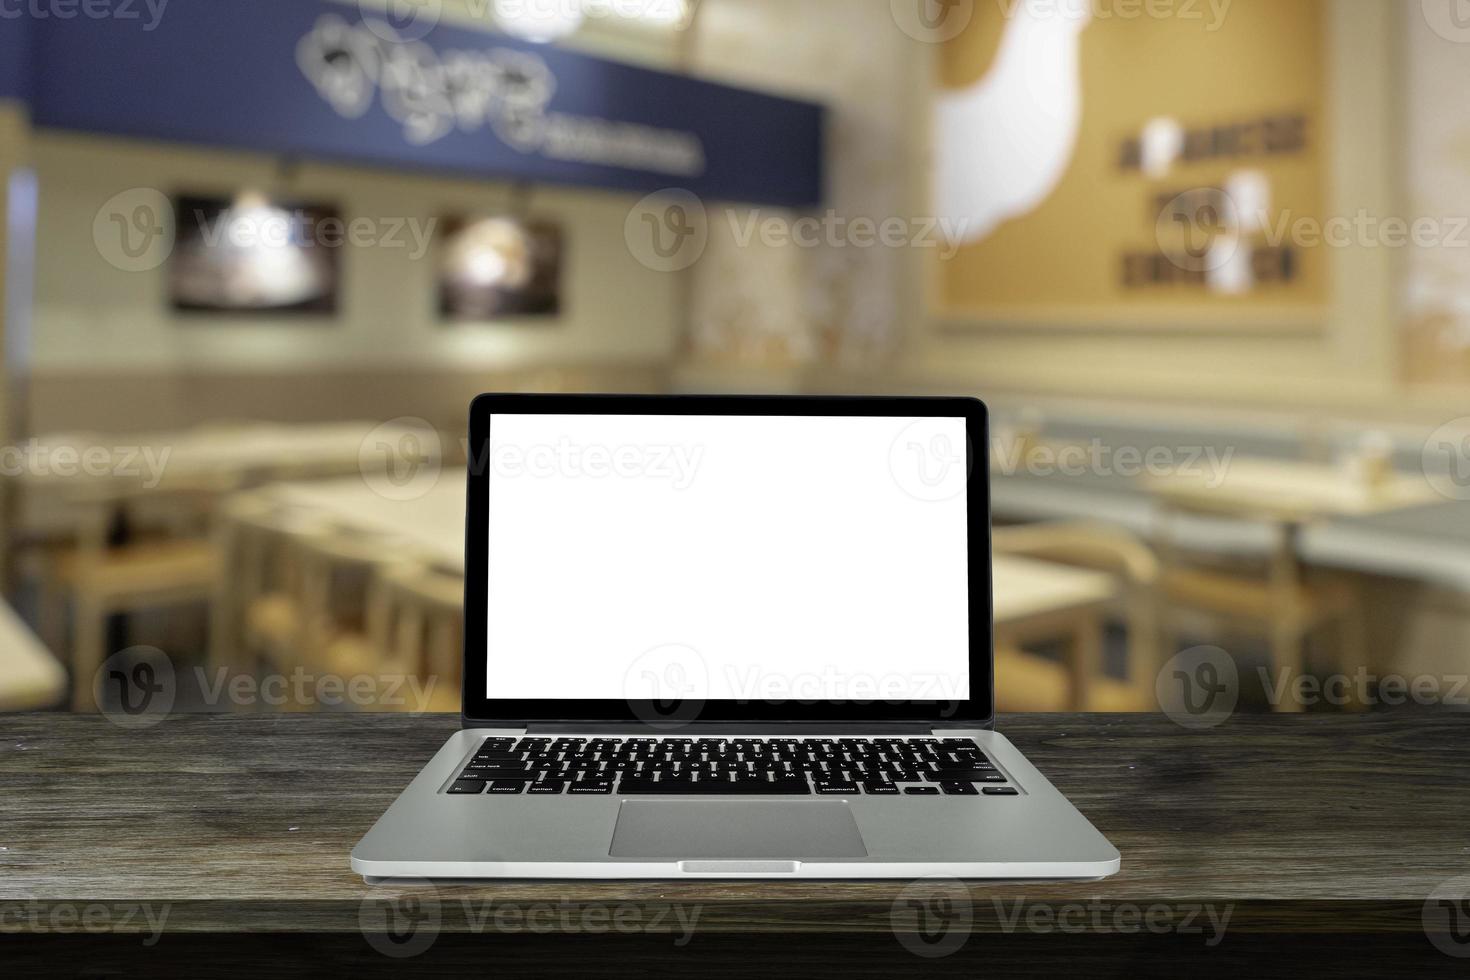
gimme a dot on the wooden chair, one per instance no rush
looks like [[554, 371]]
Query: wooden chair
[[256, 612], [419, 627], [137, 547], [1272, 595], [337, 569], [1037, 684]]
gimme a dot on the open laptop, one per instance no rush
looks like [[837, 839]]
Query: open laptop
[[733, 638]]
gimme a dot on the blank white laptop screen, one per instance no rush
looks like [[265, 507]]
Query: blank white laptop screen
[[733, 558]]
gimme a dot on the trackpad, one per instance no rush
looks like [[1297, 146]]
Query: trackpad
[[691, 829]]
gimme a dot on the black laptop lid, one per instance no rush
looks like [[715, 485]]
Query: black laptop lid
[[666, 561]]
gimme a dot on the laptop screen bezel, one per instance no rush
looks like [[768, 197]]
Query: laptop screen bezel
[[479, 710]]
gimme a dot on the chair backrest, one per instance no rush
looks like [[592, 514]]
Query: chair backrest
[[1106, 548]]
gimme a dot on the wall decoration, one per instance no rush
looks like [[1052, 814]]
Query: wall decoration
[[253, 255], [1108, 166], [491, 268]]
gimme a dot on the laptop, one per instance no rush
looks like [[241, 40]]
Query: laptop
[[729, 637]]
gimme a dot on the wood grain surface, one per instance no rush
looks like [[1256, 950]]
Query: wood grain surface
[[1312, 823]]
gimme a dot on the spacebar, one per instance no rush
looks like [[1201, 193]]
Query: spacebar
[[713, 788]]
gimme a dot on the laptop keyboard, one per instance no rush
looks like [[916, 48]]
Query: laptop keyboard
[[732, 767]]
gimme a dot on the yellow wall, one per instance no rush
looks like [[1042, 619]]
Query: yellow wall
[[1260, 60], [1271, 358]]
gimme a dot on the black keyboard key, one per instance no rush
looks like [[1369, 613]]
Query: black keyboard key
[[744, 787], [959, 789], [547, 786], [880, 789], [846, 789], [1001, 791], [483, 773], [507, 786], [467, 786], [921, 790], [964, 776], [591, 786]]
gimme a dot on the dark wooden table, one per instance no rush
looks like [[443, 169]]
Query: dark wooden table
[[1314, 825]]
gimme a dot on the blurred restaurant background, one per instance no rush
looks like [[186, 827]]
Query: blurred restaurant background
[[1208, 261]]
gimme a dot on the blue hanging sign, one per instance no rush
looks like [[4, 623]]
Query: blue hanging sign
[[324, 80]]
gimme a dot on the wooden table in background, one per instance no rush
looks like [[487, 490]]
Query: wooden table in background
[[1319, 836], [1290, 491], [431, 521]]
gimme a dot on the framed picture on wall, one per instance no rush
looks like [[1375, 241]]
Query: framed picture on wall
[[251, 255], [499, 267]]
